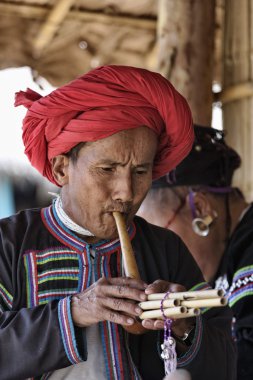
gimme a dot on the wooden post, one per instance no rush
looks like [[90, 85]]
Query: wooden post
[[237, 95], [185, 51]]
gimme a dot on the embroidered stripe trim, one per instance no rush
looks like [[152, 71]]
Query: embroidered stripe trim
[[201, 286], [60, 276], [56, 294], [242, 285], [6, 296], [59, 231], [59, 251], [242, 272], [56, 257], [194, 349], [31, 279], [240, 294], [59, 271], [67, 331], [67, 237]]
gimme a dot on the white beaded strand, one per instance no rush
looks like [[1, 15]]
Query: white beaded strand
[[65, 219]]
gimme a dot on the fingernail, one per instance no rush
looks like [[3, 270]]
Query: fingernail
[[159, 325], [130, 321], [138, 310], [147, 323]]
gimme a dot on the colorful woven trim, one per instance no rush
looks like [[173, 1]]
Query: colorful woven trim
[[194, 348], [6, 297], [31, 279], [200, 286], [67, 331], [242, 285], [53, 273], [67, 237], [59, 231]]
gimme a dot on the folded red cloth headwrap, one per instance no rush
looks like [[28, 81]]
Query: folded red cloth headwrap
[[102, 102]]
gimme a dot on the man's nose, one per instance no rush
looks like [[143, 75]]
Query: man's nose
[[122, 189]]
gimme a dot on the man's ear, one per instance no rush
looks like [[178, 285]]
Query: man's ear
[[60, 166], [202, 204]]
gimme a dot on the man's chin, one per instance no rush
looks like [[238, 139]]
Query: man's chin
[[109, 232], [111, 235]]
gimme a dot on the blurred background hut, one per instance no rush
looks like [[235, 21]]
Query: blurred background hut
[[202, 46]]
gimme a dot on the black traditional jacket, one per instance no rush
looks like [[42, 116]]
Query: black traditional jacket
[[42, 264], [237, 265]]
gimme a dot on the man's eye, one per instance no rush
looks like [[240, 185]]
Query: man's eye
[[141, 171], [107, 169]]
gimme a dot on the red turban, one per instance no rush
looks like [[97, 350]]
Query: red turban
[[100, 103]]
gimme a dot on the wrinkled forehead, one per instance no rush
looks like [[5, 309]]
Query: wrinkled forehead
[[140, 143]]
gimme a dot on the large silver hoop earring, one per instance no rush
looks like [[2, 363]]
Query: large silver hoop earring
[[201, 226]]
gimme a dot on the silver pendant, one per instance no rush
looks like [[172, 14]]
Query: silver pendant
[[169, 355]]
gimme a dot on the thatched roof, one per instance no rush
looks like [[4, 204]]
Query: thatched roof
[[64, 38], [61, 39]]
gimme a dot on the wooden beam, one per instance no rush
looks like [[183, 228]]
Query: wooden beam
[[40, 12], [23, 11], [135, 22], [236, 92], [51, 25]]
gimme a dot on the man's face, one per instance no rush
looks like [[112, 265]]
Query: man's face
[[111, 174]]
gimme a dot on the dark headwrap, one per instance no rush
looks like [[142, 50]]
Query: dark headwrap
[[100, 103], [210, 164]]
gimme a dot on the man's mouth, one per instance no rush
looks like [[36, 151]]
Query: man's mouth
[[126, 211]]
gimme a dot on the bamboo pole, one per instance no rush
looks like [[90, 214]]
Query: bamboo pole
[[51, 25], [237, 88]]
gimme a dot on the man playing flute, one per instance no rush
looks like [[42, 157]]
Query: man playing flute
[[66, 305]]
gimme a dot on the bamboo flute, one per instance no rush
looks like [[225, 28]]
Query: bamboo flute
[[193, 295], [208, 302], [171, 312], [129, 263], [205, 302], [150, 305], [191, 312], [178, 304]]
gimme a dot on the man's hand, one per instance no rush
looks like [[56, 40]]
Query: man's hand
[[109, 299]]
